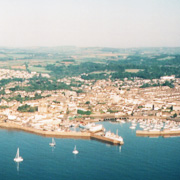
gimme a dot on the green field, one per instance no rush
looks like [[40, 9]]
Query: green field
[[38, 69]]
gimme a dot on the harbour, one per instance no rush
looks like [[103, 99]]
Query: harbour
[[151, 158], [89, 130]]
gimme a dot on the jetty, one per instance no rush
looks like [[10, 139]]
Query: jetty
[[106, 140]]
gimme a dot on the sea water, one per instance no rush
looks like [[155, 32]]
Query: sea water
[[139, 157]]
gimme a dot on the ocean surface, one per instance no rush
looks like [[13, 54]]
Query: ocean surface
[[139, 158]]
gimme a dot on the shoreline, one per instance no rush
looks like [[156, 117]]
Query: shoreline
[[69, 134]]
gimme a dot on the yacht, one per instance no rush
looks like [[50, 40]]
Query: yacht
[[18, 158], [96, 128], [175, 129], [87, 126], [75, 151], [53, 143], [154, 130]]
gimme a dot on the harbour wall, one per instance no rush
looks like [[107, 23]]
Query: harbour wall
[[165, 133], [68, 134]]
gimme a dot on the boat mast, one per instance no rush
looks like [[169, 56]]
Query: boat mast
[[17, 155]]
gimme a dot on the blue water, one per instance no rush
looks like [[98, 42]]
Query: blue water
[[139, 158]]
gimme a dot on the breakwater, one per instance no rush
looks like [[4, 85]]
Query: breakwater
[[69, 134], [164, 133]]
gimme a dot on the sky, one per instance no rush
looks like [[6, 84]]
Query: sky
[[90, 23]]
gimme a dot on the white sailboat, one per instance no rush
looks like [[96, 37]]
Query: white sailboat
[[75, 151], [53, 143], [18, 158], [132, 127]]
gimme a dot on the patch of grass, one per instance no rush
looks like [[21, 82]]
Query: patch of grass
[[38, 69]]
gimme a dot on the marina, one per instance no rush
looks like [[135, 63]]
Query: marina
[[155, 127]]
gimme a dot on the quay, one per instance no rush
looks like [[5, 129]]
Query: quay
[[65, 134], [165, 133]]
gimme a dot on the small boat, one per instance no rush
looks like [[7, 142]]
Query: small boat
[[175, 129], [132, 127], [53, 143], [75, 151], [18, 158], [96, 128], [154, 130], [87, 126]]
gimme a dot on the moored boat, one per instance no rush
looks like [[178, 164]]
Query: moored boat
[[96, 128], [154, 130], [132, 127], [113, 136]]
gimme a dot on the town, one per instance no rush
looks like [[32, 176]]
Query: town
[[59, 110]]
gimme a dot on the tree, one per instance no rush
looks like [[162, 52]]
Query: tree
[[27, 108], [174, 115], [87, 102]]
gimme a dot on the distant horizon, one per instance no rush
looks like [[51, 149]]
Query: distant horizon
[[90, 47]]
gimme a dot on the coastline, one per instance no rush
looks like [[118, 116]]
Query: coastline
[[69, 134]]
